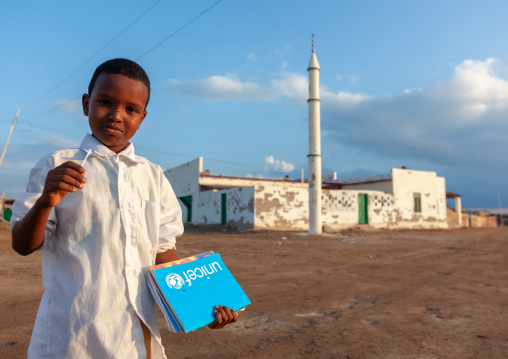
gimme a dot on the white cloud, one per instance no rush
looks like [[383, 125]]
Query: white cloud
[[223, 88], [460, 120], [277, 165]]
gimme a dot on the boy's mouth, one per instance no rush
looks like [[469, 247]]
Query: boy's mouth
[[112, 129]]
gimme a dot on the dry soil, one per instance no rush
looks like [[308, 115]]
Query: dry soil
[[354, 294]]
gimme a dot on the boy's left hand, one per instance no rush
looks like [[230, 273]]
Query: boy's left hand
[[223, 316]]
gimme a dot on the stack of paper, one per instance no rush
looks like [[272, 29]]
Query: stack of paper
[[187, 290]]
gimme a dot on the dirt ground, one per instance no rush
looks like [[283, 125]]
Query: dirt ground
[[354, 294]]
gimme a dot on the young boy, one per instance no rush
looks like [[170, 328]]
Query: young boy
[[97, 233]]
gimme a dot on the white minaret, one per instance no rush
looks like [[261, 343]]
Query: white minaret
[[314, 155]]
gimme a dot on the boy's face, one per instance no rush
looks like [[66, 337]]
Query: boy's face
[[115, 109]]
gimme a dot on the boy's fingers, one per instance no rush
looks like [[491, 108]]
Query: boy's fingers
[[223, 316], [61, 171], [67, 179], [73, 165], [235, 316], [53, 181]]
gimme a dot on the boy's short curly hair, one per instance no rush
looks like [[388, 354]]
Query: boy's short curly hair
[[121, 67]]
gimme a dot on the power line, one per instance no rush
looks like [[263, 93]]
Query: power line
[[62, 104], [109, 43], [100, 50], [180, 28], [91, 57], [193, 156], [75, 133]]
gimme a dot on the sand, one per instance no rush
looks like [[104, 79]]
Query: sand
[[355, 294]]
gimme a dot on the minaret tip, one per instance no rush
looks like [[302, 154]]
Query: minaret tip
[[313, 44]]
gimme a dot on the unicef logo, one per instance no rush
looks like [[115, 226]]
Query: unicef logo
[[174, 281]]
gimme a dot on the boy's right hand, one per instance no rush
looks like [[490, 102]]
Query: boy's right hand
[[60, 181]]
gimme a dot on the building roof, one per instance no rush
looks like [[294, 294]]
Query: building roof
[[452, 195], [250, 178], [365, 179], [494, 211]]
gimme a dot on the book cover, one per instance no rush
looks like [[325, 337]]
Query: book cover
[[191, 290]]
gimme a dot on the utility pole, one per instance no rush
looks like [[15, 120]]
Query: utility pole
[[8, 137]]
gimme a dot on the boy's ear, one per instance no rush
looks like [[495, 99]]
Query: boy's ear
[[142, 118], [85, 101]]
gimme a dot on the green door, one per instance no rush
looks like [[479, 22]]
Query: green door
[[7, 214], [187, 201], [224, 200], [363, 217]]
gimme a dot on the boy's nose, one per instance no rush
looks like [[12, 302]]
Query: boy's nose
[[115, 113]]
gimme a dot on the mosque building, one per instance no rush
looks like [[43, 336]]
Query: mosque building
[[403, 198]]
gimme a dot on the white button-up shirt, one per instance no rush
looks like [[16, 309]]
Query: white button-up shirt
[[99, 240]]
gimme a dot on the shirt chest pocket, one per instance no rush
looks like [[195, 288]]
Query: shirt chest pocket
[[150, 216]]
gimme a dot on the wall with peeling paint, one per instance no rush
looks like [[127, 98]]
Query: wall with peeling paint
[[276, 204], [281, 208], [339, 207], [185, 181], [208, 209], [207, 180], [239, 207], [185, 178], [433, 199]]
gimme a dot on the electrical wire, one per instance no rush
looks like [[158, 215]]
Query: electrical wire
[[37, 125], [106, 45], [193, 156], [75, 133], [180, 28], [62, 104], [91, 57]]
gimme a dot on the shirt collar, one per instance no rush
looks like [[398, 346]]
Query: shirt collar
[[98, 149]]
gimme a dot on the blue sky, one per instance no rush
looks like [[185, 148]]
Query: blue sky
[[420, 84]]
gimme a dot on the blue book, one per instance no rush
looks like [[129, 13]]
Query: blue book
[[188, 292]]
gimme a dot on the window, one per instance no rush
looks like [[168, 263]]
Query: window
[[418, 202]]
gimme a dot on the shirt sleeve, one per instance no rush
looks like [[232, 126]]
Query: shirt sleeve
[[171, 225], [34, 190]]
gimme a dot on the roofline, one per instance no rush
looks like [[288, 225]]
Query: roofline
[[452, 195], [251, 178]]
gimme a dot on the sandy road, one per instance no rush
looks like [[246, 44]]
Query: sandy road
[[357, 294]]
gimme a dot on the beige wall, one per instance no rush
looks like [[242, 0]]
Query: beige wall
[[239, 207], [244, 182], [185, 181], [285, 205], [383, 186], [283, 208], [432, 190]]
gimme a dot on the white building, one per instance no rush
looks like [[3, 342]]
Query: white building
[[402, 199]]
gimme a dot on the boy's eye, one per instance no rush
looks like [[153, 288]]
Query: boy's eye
[[103, 102], [131, 110]]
